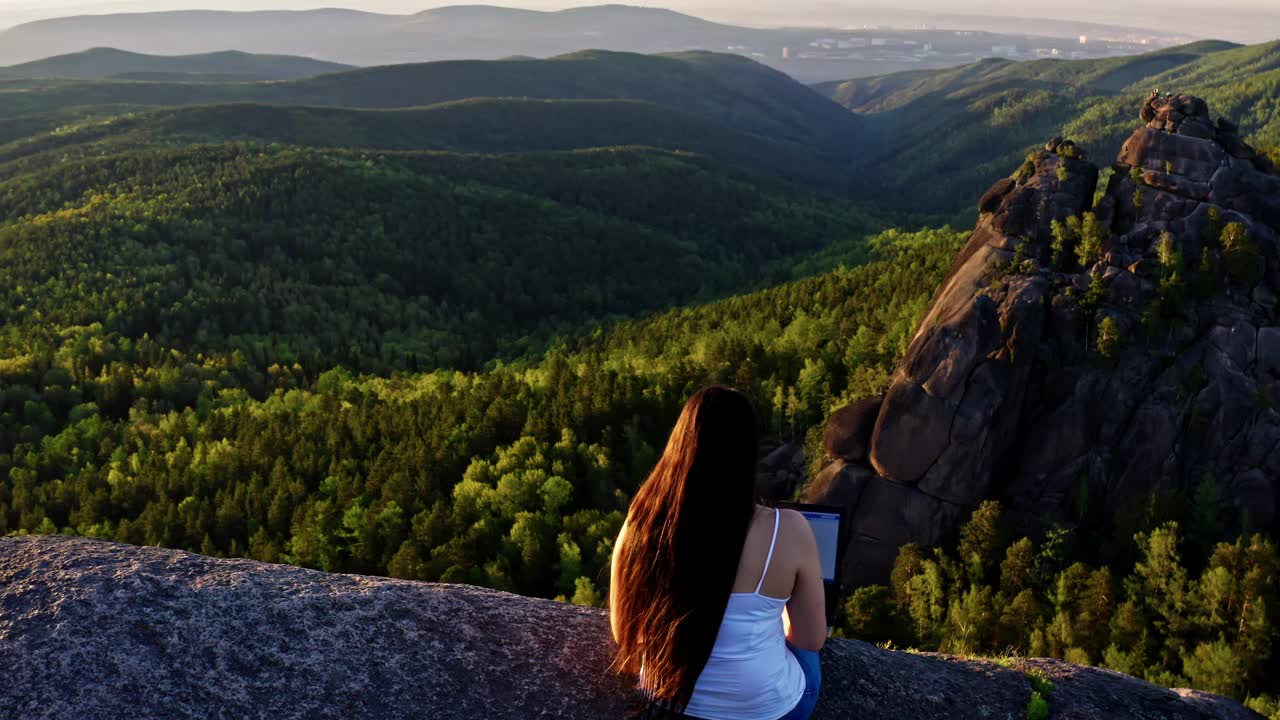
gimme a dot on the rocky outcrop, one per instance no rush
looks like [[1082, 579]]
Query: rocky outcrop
[[1041, 375], [94, 630], [780, 472]]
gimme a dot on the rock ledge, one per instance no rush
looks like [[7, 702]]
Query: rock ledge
[[91, 630]]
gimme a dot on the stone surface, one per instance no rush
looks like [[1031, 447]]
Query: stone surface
[[780, 472], [99, 630], [839, 483], [849, 430], [95, 631], [1092, 693], [1004, 393]]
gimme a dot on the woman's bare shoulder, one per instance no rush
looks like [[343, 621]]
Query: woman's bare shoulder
[[794, 530], [791, 524], [792, 521]]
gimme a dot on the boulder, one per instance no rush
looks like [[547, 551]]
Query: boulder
[[991, 200], [97, 631], [779, 472], [849, 430], [839, 483], [1188, 158]]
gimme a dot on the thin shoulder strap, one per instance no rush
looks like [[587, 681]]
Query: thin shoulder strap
[[772, 544]]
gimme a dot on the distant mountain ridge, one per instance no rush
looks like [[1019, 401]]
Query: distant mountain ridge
[[472, 125], [489, 32], [98, 63], [366, 38], [737, 110], [1115, 75], [944, 130], [961, 128]]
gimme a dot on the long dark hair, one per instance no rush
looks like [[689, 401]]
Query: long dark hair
[[685, 533]]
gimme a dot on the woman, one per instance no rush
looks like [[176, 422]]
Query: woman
[[716, 601]]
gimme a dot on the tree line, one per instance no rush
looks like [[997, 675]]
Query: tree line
[[1187, 612]]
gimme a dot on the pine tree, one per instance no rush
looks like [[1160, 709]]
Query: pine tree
[[980, 543], [1094, 236], [1017, 567], [1108, 337]]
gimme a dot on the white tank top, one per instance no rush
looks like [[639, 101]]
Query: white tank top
[[751, 674]]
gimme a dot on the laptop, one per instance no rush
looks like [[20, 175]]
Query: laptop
[[831, 528]]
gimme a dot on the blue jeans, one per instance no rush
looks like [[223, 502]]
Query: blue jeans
[[812, 668]]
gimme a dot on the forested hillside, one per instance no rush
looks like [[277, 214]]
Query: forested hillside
[[227, 66], [135, 439], [381, 261], [958, 130], [917, 142], [727, 89], [726, 107], [487, 125], [254, 273], [1183, 613]]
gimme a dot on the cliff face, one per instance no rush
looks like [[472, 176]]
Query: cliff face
[[95, 630], [1048, 372]]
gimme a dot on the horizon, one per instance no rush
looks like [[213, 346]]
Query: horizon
[[1241, 21]]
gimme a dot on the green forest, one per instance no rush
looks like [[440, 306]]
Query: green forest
[[1185, 612], [226, 66], [378, 262], [435, 321], [959, 130]]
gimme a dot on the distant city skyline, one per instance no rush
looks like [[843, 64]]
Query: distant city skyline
[[1238, 20]]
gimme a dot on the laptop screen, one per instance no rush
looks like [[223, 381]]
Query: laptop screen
[[826, 528]]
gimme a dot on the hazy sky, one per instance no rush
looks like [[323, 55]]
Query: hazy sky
[[1193, 17]]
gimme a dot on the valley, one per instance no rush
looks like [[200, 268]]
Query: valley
[[433, 321]]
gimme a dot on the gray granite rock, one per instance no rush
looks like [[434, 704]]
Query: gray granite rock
[[1004, 392], [848, 433], [1092, 693], [93, 630]]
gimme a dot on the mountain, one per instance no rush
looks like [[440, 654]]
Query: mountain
[[473, 31], [29, 126], [878, 94], [482, 125], [1097, 370], [1177, 22], [728, 89], [414, 259], [759, 137], [191, 31], [956, 129], [177, 620], [486, 32], [723, 106], [1092, 348], [227, 66]]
